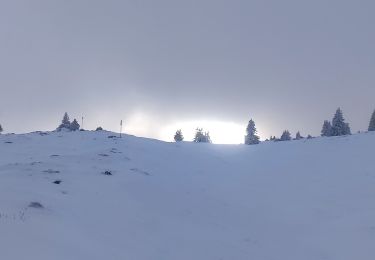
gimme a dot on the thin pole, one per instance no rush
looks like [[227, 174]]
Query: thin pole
[[82, 124], [120, 128]]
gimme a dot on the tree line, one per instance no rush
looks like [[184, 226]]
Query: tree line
[[336, 127]]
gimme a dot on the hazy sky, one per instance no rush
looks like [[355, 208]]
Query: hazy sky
[[167, 64]]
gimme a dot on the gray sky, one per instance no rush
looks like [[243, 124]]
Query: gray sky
[[166, 64]]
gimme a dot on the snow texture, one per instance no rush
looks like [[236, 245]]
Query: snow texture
[[307, 199]]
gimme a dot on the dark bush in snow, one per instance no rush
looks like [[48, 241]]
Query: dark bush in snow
[[99, 128], [107, 173]]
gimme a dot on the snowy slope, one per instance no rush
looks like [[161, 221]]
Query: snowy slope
[[309, 199]]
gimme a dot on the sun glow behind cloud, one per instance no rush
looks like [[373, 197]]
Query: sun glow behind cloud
[[220, 132]]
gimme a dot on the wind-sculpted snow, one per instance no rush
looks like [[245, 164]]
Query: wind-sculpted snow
[[85, 196]]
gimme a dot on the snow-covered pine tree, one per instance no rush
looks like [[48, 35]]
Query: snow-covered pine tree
[[251, 136], [1, 129], [66, 120], [65, 123], [201, 137], [326, 129], [372, 122], [285, 136], [207, 137], [339, 127], [298, 136], [347, 129], [74, 126], [178, 137]]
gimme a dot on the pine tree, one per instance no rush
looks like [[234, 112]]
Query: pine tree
[[178, 137], [339, 127], [201, 137], [74, 126], [372, 122], [65, 123], [207, 137], [326, 129], [251, 136], [285, 136], [1, 129], [347, 129], [66, 120], [298, 136]]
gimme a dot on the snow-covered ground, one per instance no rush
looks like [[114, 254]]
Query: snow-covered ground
[[299, 200]]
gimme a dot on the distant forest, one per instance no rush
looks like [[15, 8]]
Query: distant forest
[[336, 127]]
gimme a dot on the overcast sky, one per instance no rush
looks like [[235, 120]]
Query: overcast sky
[[166, 64]]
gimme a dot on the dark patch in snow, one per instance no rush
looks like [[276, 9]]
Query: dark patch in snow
[[51, 171], [54, 155], [34, 163], [36, 205], [112, 136], [57, 181], [114, 150], [107, 173], [140, 171], [103, 154], [8, 142]]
